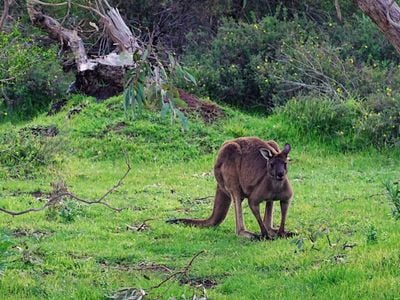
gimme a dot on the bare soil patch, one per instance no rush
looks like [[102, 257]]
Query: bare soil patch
[[209, 112]]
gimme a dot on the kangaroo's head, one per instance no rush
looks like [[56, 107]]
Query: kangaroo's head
[[276, 162]]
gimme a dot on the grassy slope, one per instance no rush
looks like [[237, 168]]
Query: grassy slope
[[94, 254]]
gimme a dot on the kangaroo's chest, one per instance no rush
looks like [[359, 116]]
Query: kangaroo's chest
[[267, 191]]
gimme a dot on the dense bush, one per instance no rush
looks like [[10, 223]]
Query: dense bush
[[31, 75], [266, 63], [350, 124], [360, 38], [231, 69]]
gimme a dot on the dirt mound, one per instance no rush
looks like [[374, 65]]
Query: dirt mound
[[209, 112]]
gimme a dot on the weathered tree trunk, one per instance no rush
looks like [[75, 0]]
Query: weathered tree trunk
[[101, 77], [386, 15]]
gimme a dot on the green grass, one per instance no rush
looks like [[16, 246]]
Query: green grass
[[347, 246]]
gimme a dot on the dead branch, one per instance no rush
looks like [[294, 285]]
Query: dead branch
[[346, 245], [183, 271], [143, 225], [117, 30], [203, 198], [58, 195], [338, 11], [151, 267], [68, 38], [4, 15], [140, 227]]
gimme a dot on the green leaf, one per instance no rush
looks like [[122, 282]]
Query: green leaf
[[127, 97], [145, 54], [190, 77], [166, 108], [184, 121], [140, 95]]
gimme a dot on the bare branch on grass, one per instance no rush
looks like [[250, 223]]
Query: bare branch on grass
[[182, 272], [140, 227], [203, 198], [58, 195]]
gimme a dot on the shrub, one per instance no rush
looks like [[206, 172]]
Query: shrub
[[350, 123], [360, 38], [269, 62], [393, 193], [31, 75], [24, 154], [228, 70], [323, 117]]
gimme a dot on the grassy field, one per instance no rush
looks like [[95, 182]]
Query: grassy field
[[347, 244]]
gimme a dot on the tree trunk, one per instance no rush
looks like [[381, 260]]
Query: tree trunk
[[386, 15]]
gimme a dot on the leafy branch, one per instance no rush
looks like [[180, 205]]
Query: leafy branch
[[153, 74]]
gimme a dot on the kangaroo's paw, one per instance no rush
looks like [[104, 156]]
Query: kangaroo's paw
[[249, 235], [272, 233]]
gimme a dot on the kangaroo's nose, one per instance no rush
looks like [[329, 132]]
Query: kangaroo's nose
[[280, 174]]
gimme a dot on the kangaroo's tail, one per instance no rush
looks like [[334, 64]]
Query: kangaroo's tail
[[221, 206]]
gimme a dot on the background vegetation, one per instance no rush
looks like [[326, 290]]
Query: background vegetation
[[284, 70]]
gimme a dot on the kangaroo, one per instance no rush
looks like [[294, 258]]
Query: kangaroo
[[250, 168]]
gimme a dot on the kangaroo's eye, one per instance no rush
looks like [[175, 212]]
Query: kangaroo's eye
[[272, 165]]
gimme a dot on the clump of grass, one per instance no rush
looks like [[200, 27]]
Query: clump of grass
[[372, 235], [5, 246], [393, 193]]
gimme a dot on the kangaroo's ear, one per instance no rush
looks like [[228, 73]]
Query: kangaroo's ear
[[266, 153], [287, 149]]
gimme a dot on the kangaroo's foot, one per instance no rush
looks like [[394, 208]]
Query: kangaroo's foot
[[271, 233], [286, 234], [248, 235]]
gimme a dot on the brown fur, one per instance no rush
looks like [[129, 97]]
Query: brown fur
[[255, 169]]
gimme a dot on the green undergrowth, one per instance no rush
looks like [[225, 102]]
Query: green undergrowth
[[347, 244]]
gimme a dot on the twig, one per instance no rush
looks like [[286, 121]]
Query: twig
[[329, 240], [338, 11], [203, 198], [141, 226], [345, 199], [56, 198], [7, 79], [351, 246], [352, 198], [375, 195], [184, 272]]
